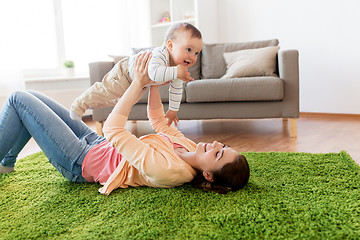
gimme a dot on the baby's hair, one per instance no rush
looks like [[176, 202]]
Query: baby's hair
[[171, 32]]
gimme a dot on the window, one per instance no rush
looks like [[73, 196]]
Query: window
[[93, 29], [38, 34], [28, 29], [42, 34]]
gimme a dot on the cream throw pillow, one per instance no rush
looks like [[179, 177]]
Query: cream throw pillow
[[251, 62]]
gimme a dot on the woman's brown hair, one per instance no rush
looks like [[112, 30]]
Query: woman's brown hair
[[230, 177]]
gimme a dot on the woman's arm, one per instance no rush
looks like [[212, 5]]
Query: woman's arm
[[139, 154], [114, 127], [154, 99], [156, 114]]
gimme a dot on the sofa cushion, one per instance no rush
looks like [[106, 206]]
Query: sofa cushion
[[195, 69], [265, 88], [212, 61], [251, 62]]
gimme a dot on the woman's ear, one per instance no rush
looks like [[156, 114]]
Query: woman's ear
[[208, 176], [169, 44]]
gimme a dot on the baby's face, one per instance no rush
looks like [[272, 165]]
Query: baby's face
[[185, 49]]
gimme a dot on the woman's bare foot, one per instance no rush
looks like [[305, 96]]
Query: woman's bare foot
[[4, 169]]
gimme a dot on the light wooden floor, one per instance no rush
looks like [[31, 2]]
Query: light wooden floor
[[317, 133]]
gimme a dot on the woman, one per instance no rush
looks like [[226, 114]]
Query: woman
[[166, 159]]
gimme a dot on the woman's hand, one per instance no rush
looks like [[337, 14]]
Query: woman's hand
[[141, 75]]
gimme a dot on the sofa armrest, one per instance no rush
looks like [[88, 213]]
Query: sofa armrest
[[97, 70], [288, 63]]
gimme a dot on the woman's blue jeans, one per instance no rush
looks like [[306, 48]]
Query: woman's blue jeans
[[64, 141]]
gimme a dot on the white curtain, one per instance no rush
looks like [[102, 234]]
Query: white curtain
[[10, 49]]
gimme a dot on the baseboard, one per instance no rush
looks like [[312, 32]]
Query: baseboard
[[328, 115]]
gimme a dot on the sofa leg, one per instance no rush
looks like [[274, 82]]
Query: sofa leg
[[293, 127], [99, 127]]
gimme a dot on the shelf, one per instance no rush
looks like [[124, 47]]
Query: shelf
[[168, 24], [178, 11]]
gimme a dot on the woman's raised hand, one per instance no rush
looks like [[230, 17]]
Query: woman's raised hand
[[141, 76], [134, 91]]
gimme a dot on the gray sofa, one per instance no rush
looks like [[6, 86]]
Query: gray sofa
[[209, 97]]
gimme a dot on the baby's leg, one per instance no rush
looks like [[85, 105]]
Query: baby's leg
[[105, 93]]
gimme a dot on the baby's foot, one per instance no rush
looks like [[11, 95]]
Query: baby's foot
[[4, 169]]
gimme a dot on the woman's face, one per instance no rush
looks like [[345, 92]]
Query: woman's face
[[211, 157]]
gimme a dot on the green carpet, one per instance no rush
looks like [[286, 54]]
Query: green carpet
[[289, 196]]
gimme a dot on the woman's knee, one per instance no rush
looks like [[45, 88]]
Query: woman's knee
[[17, 95], [25, 98], [22, 98]]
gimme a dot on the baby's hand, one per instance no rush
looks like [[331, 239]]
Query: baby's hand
[[183, 74], [172, 117]]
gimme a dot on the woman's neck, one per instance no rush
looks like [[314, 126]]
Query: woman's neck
[[188, 157]]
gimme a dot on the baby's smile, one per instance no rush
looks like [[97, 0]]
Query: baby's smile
[[186, 62]]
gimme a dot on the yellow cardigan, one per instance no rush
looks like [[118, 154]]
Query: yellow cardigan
[[149, 160]]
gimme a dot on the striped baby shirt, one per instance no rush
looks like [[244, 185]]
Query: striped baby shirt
[[160, 72]]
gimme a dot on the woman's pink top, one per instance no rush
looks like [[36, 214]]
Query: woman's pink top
[[102, 159], [146, 161], [100, 162]]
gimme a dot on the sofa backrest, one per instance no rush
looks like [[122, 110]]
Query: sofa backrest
[[213, 65], [194, 71], [210, 63]]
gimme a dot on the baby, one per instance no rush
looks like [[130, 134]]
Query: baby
[[169, 64]]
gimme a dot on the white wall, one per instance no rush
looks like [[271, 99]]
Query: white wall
[[326, 33], [208, 21]]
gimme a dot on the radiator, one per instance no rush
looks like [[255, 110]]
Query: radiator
[[63, 90]]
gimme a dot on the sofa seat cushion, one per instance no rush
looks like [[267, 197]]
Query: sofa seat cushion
[[265, 88]]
